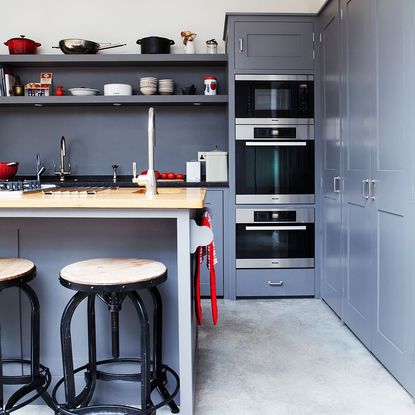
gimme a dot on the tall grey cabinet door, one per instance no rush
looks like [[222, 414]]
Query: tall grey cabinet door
[[391, 190], [357, 120], [332, 282]]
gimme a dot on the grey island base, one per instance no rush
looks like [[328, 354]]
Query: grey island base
[[74, 230]]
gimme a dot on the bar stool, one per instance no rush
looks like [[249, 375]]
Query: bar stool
[[112, 280], [17, 272]]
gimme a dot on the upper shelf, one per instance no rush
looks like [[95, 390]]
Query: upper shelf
[[102, 60]]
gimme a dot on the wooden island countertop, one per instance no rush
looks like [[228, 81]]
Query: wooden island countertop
[[120, 198]]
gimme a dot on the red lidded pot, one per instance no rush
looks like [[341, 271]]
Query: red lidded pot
[[22, 46]]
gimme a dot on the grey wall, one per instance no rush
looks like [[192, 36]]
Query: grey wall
[[98, 137]]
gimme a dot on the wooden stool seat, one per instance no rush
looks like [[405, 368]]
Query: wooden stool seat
[[14, 268], [113, 271]]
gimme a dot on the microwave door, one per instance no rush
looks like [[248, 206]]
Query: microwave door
[[273, 100]]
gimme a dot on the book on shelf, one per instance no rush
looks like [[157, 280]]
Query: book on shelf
[[2, 82], [7, 81]]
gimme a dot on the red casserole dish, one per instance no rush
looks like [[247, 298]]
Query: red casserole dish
[[22, 46], [8, 170]]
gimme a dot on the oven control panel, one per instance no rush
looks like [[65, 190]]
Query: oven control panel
[[275, 216], [301, 215], [270, 132]]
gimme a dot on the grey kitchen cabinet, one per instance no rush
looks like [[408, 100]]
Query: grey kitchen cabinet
[[275, 282], [274, 44], [391, 191], [214, 202], [375, 167], [377, 191], [357, 134], [331, 281]]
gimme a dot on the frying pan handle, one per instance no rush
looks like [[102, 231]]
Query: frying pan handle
[[118, 45], [56, 47]]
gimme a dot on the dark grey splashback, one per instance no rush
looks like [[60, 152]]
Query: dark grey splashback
[[98, 137]]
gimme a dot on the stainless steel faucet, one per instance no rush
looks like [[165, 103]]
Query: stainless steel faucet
[[39, 168], [114, 173], [149, 180], [62, 172]]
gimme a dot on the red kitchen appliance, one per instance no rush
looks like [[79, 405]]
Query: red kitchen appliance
[[22, 46]]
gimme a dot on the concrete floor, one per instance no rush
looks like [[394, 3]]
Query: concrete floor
[[287, 357]]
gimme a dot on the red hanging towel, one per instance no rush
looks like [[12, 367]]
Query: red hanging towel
[[212, 260]]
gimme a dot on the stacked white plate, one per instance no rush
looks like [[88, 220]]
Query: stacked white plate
[[166, 86], [148, 85], [83, 92]]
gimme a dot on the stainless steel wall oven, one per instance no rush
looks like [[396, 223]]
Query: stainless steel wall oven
[[277, 238], [275, 165]]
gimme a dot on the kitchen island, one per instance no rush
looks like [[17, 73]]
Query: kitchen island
[[55, 230]]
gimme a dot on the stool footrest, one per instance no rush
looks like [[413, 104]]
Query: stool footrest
[[125, 377], [108, 376], [20, 379], [102, 410], [38, 383]]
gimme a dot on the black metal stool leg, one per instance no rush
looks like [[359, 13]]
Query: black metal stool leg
[[158, 348], [145, 349], [66, 344], [92, 353], [1, 374], [35, 341], [39, 376]]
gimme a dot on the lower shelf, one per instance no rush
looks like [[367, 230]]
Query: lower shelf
[[97, 100]]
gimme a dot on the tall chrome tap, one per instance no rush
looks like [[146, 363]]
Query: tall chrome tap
[[39, 168], [149, 180], [62, 172]]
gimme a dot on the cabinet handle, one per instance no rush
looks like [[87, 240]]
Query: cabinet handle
[[241, 45], [275, 228], [365, 185], [336, 184], [276, 284], [276, 144], [372, 188]]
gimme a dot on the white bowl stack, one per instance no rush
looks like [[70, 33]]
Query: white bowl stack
[[166, 86], [148, 85]]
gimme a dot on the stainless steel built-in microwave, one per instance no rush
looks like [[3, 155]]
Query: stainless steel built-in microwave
[[274, 99]]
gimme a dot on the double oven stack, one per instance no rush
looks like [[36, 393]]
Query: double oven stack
[[275, 172]]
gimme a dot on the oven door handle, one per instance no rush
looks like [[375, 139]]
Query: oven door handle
[[275, 228], [276, 144]]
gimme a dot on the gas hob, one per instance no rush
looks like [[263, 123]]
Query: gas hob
[[17, 188]]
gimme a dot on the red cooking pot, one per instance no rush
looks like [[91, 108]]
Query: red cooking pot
[[8, 170], [22, 46]]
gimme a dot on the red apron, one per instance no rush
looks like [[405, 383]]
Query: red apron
[[210, 252]]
